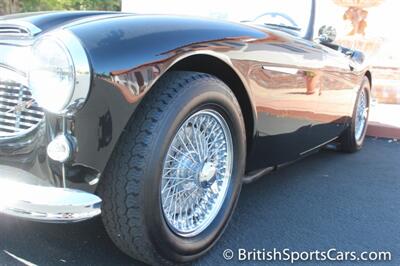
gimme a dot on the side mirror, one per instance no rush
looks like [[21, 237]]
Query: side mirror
[[327, 34]]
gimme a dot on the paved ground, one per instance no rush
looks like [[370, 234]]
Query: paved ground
[[349, 202]]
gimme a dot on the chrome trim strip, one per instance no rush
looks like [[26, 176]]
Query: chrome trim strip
[[286, 70], [15, 58], [319, 146], [8, 75], [47, 204]]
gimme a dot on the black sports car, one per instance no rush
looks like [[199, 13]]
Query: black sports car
[[155, 121]]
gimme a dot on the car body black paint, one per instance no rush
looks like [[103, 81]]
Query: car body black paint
[[129, 53]]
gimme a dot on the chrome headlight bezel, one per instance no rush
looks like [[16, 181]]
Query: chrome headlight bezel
[[80, 65]]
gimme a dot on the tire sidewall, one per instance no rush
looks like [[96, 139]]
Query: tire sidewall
[[365, 86], [201, 94]]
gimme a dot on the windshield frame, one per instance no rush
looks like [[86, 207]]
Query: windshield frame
[[294, 29]]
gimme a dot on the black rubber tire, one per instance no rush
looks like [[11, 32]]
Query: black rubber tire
[[130, 186], [348, 141]]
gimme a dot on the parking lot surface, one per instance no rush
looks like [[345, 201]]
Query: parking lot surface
[[329, 200]]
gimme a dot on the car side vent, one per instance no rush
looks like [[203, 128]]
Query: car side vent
[[13, 30], [19, 28]]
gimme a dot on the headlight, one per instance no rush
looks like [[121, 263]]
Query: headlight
[[59, 77]]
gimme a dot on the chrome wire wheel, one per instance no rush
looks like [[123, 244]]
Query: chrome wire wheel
[[196, 173], [361, 115]]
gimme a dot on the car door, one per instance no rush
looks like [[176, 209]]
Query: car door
[[336, 97], [285, 98]]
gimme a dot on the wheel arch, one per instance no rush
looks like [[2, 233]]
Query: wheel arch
[[218, 67], [368, 74], [120, 106]]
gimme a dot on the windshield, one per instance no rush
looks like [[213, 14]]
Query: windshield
[[292, 13]]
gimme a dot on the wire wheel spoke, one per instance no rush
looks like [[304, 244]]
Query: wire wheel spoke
[[196, 173], [361, 118]]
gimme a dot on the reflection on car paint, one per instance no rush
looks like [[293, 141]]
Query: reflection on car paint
[[301, 93]]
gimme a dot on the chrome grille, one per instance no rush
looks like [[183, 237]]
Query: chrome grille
[[19, 113]]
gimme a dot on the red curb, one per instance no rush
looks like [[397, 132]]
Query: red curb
[[376, 129]]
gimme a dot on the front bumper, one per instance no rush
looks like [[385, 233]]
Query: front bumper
[[45, 203], [32, 186]]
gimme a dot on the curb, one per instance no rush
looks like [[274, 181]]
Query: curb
[[376, 129]]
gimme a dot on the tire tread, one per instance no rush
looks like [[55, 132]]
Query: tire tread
[[122, 180]]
